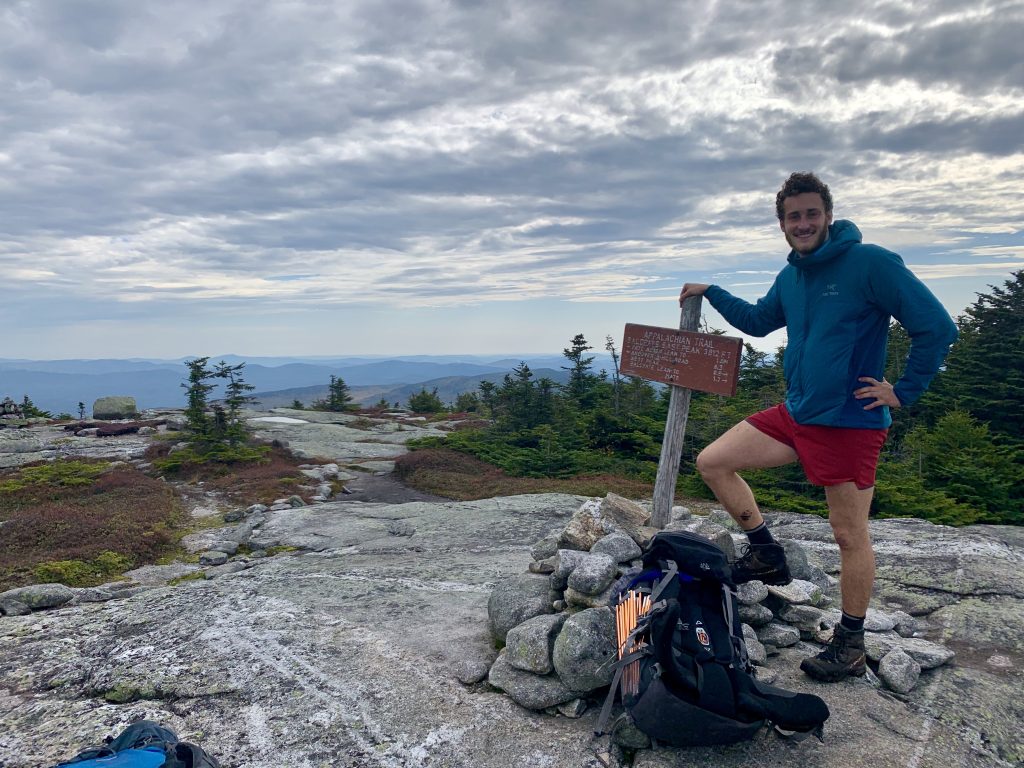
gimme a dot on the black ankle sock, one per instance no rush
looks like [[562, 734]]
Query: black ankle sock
[[852, 623], [760, 535]]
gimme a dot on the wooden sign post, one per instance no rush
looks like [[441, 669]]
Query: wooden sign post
[[685, 360]]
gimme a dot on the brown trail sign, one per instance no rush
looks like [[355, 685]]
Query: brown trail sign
[[686, 360], [701, 361]]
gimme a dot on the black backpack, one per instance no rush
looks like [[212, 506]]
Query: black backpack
[[144, 744], [684, 677]]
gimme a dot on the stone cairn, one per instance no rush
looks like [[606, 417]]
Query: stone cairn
[[558, 629]]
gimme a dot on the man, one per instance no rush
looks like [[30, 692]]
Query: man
[[835, 298]]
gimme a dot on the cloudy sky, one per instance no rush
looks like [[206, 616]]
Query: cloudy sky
[[420, 176]]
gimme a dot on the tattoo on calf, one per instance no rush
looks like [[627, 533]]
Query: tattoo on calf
[[745, 515]]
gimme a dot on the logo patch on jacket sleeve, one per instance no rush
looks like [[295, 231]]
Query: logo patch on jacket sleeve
[[702, 635]]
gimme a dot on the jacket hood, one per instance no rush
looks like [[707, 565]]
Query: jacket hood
[[841, 235]]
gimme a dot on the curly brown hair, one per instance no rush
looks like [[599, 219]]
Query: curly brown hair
[[797, 184]]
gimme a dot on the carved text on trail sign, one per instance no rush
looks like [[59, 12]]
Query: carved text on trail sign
[[699, 361]]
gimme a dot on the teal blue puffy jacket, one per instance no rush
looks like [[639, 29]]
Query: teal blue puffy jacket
[[835, 304]]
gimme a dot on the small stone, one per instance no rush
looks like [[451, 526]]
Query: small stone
[[755, 615], [566, 561], [765, 674], [233, 515], [545, 566], [400, 528], [797, 592], [876, 621], [213, 557], [627, 735], [806, 618], [545, 548], [899, 671], [295, 501], [471, 671], [224, 545], [751, 593], [779, 635], [256, 509], [572, 709]]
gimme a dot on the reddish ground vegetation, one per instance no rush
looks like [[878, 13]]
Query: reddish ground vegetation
[[275, 476], [121, 511], [455, 475]]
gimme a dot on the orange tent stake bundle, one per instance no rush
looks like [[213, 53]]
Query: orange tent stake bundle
[[627, 614]]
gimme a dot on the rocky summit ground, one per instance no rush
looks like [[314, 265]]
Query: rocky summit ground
[[352, 649]]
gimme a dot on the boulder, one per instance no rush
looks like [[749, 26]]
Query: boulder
[[566, 561], [928, 654], [115, 407], [528, 645], [751, 593], [527, 689], [39, 596], [756, 615], [515, 600], [779, 635], [583, 648]]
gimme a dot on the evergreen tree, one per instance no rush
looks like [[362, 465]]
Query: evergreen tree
[[339, 398], [581, 380], [230, 425], [426, 402], [81, 410], [985, 369], [197, 421]]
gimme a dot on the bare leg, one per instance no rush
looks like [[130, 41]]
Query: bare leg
[[848, 509], [742, 447]]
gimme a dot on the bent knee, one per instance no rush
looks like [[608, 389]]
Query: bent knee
[[709, 464], [851, 539]]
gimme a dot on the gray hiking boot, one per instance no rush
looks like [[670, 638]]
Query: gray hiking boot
[[763, 562], [843, 657]]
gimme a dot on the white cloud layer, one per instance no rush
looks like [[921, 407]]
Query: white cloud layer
[[228, 161]]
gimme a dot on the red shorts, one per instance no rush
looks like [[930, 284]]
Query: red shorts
[[829, 455]]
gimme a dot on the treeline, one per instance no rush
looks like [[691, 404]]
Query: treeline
[[955, 457]]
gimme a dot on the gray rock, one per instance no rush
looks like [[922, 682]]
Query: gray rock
[[324, 490], [566, 561], [11, 607], [765, 674], [295, 501], [471, 671], [877, 621], [756, 651], [515, 600], [93, 595], [400, 528], [627, 735], [593, 574], [724, 519], [545, 548], [805, 618], [797, 592], [115, 407], [545, 566], [147, 430], [618, 546], [796, 559], [583, 600], [39, 596], [234, 515], [526, 689], [583, 648], [572, 709], [225, 570], [928, 654], [751, 593], [528, 645], [224, 545], [899, 671], [680, 514], [756, 615], [256, 509], [585, 528], [213, 557], [627, 515], [779, 635]]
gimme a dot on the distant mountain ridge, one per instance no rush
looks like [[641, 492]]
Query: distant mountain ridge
[[59, 385]]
